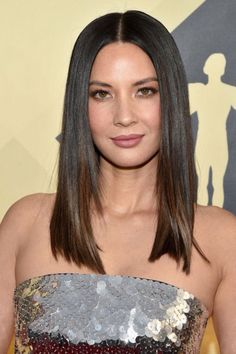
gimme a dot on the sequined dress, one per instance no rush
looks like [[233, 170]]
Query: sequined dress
[[100, 313]]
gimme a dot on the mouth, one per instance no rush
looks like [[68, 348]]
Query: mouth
[[127, 137], [127, 141]]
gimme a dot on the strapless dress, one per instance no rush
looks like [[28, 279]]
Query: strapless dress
[[101, 313]]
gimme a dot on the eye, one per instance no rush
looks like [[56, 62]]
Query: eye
[[99, 94], [147, 91]]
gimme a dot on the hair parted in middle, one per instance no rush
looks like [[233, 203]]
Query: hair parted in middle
[[70, 227]]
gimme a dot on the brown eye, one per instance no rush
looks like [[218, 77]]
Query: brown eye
[[147, 91], [99, 94]]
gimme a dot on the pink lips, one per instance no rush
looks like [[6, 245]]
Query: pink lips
[[127, 140]]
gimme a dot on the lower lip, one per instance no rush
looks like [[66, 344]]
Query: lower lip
[[127, 143]]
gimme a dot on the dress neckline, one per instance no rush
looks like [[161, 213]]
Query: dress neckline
[[21, 284]]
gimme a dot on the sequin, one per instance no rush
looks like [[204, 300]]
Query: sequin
[[99, 313]]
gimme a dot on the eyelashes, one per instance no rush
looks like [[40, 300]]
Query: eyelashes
[[145, 92], [102, 94], [148, 89]]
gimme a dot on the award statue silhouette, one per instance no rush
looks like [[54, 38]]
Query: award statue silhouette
[[212, 102]]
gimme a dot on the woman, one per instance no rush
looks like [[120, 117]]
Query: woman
[[121, 259]]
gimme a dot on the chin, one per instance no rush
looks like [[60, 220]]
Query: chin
[[128, 165]]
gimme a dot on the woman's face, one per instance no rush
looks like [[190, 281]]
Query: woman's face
[[123, 100]]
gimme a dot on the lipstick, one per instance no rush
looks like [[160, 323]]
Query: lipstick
[[127, 141]]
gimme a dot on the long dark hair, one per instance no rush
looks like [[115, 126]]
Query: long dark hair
[[70, 228]]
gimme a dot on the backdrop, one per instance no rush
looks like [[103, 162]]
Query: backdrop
[[36, 41]]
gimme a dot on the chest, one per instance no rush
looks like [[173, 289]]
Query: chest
[[126, 244], [125, 241]]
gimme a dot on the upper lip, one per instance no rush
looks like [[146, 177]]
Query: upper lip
[[127, 137]]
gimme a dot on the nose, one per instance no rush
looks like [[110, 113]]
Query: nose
[[125, 114]]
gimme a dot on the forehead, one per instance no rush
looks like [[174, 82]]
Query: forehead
[[119, 58]]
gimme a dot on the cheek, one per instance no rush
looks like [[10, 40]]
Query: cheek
[[94, 117], [152, 115], [96, 120]]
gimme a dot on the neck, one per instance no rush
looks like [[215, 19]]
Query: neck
[[128, 190]]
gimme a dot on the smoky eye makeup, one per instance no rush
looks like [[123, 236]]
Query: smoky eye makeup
[[144, 92], [98, 94], [148, 91]]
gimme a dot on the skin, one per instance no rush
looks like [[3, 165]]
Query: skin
[[127, 234]]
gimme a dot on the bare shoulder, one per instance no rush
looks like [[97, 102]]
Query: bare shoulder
[[29, 205], [21, 215], [216, 218], [217, 228]]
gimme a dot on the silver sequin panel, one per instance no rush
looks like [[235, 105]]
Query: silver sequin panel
[[93, 308]]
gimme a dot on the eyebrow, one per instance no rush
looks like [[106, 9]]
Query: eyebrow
[[140, 82]]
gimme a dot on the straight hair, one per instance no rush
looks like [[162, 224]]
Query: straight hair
[[71, 229]]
